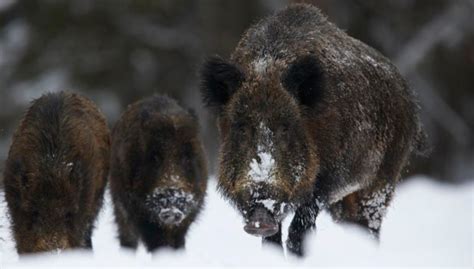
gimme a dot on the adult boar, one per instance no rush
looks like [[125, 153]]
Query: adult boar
[[309, 119]]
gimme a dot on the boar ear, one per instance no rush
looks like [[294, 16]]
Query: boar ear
[[219, 80], [304, 80]]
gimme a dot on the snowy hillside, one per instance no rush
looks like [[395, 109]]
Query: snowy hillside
[[428, 224]]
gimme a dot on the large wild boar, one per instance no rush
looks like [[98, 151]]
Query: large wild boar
[[309, 119], [56, 173], [158, 173]]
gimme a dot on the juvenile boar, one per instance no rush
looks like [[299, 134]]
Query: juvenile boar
[[56, 173], [158, 173], [309, 119]]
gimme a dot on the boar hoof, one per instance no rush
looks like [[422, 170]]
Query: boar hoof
[[295, 247]]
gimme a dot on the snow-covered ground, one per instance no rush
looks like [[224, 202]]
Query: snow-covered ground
[[428, 224]]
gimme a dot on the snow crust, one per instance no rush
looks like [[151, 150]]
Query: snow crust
[[428, 224]]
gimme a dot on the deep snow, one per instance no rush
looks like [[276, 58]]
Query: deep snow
[[428, 224]]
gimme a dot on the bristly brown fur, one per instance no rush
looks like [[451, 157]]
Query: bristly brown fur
[[155, 146], [332, 105], [56, 172]]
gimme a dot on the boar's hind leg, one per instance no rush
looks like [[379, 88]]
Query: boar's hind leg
[[274, 240], [303, 221], [366, 207]]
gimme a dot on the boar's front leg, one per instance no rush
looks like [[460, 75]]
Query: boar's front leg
[[152, 235], [127, 233], [303, 222], [305, 216], [274, 240], [156, 237]]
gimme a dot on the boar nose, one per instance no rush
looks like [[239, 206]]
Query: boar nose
[[171, 216], [261, 223]]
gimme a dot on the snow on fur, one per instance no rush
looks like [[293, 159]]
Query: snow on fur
[[263, 168], [170, 199]]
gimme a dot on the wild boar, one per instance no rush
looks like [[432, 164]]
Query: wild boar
[[309, 119], [56, 173], [158, 173]]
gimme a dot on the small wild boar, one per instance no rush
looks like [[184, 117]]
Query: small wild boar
[[309, 119], [158, 173], [56, 173]]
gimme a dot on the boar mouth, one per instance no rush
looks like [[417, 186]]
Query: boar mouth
[[261, 223]]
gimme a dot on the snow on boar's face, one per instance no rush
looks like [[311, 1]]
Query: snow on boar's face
[[268, 162], [48, 203]]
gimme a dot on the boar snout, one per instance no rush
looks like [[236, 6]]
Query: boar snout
[[171, 216], [261, 223]]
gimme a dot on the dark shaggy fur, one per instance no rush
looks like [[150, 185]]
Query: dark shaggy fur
[[158, 173], [56, 173], [309, 119]]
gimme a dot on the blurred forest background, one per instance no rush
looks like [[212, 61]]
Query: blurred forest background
[[118, 51]]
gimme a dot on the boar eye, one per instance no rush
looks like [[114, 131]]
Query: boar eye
[[157, 159], [69, 216], [283, 129], [241, 128], [246, 131]]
